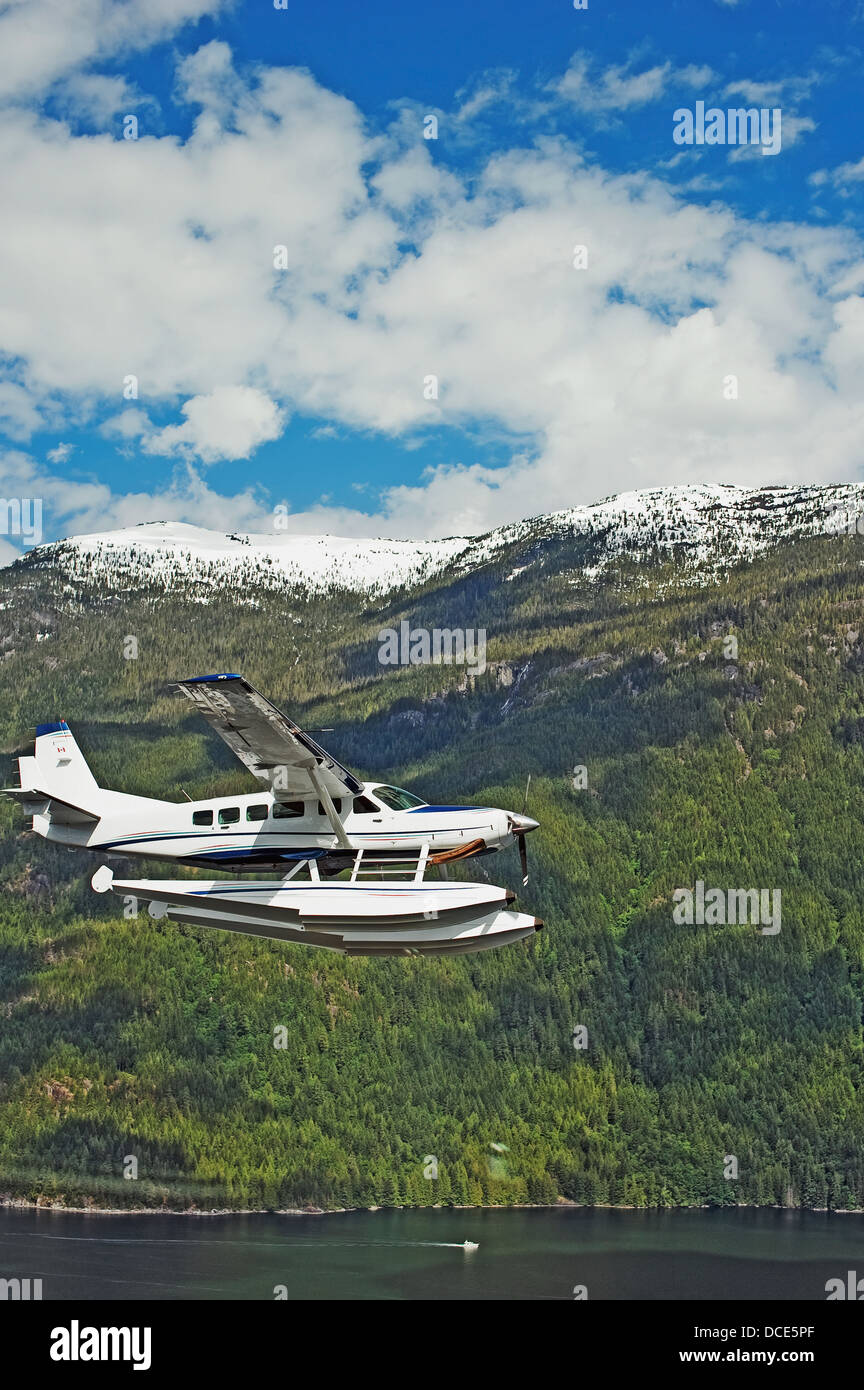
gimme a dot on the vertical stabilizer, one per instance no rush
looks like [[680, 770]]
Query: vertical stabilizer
[[58, 766]]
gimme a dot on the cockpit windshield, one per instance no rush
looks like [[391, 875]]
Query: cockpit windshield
[[397, 799]]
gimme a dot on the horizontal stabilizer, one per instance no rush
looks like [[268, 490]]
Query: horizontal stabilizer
[[38, 803]]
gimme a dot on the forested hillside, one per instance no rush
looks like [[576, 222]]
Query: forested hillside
[[137, 1037]]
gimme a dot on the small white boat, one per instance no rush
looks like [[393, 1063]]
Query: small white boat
[[470, 1245]]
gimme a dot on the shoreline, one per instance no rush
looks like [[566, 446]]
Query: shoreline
[[564, 1204]]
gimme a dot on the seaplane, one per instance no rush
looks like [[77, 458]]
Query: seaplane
[[353, 854]]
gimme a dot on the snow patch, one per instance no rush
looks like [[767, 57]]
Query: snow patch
[[705, 528]]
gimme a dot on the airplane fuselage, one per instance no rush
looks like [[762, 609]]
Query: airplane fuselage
[[255, 830]]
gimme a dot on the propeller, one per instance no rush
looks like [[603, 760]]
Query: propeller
[[520, 825]]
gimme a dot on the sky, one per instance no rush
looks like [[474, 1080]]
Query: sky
[[410, 270]]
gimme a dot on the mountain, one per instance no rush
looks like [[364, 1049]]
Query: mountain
[[706, 528], [697, 653]]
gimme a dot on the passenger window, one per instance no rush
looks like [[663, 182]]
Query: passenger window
[[256, 812], [202, 817], [364, 807], [229, 816], [337, 805], [282, 809]]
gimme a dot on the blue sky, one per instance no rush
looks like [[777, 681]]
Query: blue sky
[[427, 358]]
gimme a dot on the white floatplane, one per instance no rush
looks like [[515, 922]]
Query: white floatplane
[[312, 808], [316, 820]]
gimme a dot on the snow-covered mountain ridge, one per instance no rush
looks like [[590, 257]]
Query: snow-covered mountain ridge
[[707, 527]]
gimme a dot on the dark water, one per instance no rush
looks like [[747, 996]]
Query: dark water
[[771, 1255]]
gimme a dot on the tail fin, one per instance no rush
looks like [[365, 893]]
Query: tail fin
[[58, 766], [56, 782]]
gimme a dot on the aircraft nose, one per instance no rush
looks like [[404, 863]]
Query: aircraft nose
[[523, 823]]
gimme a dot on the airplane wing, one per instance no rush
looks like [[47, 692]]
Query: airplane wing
[[37, 803], [265, 740]]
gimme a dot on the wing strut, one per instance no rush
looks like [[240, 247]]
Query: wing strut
[[332, 814]]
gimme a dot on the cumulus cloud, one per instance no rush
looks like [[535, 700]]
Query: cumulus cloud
[[126, 425], [96, 98], [228, 424], [155, 258], [42, 40], [19, 416]]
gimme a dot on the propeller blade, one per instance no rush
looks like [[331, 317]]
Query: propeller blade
[[527, 789], [523, 859]]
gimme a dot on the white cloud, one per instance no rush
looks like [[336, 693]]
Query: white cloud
[[42, 40], [851, 172], [783, 94], [206, 78], [19, 416], [8, 552], [398, 270], [126, 425], [782, 91], [493, 87], [95, 97], [230, 423], [755, 93], [74, 507], [613, 89], [618, 88], [61, 453], [694, 75], [794, 127], [791, 129]]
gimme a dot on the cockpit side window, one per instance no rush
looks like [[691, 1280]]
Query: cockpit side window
[[397, 799], [364, 807]]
